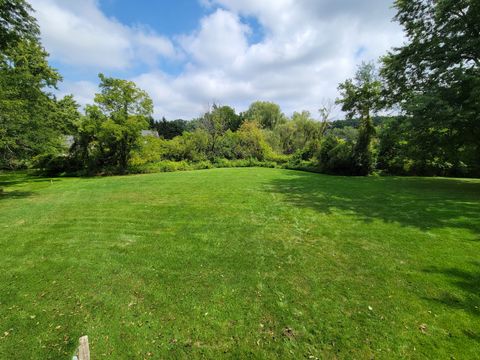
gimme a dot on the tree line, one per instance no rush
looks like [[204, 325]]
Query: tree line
[[431, 84]]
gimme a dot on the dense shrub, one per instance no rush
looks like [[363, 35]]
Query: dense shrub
[[53, 164], [251, 143], [172, 166], [151, 149], [191, 146], [336, 156]]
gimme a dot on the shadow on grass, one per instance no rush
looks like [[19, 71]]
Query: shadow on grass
[[12, 178], [9, 179], [424, 203], [4, 195], [468, 282]]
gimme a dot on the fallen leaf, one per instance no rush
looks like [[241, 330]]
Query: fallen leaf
[[288, 332], [423, 328]]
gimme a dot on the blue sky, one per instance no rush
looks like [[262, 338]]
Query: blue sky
[[166, 17], [189, 53], [169, 18]]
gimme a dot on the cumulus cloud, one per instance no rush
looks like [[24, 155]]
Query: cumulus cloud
[[83, 90], [220, 41], [307, 47], [78, 33]]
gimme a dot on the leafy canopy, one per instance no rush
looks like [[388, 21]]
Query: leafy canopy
[[112, 127], [435, 78], [267, 114], [16, 23], [30, 121], [361, 97]]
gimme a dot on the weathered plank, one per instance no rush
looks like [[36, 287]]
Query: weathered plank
[[83, 349]]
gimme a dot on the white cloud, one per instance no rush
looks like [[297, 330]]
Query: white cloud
[[84, 91], [150, 46], [307, 48], [78, 33], [220, 40]]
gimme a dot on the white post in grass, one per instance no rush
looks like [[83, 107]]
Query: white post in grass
[[83, 352]]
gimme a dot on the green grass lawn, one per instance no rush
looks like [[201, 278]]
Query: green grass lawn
[[240, 263]]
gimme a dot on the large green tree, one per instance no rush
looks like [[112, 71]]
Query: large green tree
[[216, 122], [110, 130], [29, 121], [301, 134], [435, 79], [16, 23], [362, 97], [266, 114], [32, 121]]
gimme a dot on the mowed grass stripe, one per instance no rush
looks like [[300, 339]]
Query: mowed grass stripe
[[257, 263]]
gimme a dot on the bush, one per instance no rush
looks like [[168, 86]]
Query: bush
[[52, 164], [202, 165], [251, 143], [227, 145], [172, 166], [279, 159], [225, 163], [336, 156], [151, 149]]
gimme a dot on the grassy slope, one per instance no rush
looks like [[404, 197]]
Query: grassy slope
[[261, 263]]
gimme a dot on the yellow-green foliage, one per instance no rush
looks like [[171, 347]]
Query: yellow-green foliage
[[190, 146], [251, 142], [151, 149]]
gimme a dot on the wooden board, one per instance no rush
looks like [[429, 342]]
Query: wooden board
[[83, 350]]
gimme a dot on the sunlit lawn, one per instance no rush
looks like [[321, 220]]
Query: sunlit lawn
[[240, 263]]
